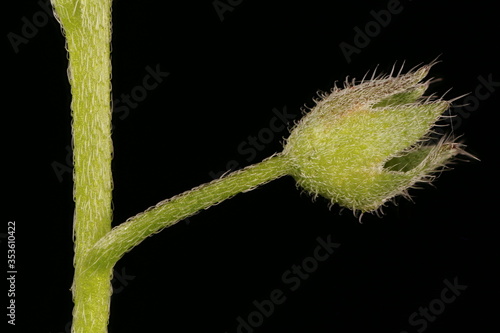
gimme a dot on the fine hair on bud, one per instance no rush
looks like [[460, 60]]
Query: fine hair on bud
[[368, 143]]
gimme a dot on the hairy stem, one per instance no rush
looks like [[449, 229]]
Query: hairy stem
[[87, 28], [124, 237]]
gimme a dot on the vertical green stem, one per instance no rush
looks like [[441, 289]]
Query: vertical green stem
[[87, 27]]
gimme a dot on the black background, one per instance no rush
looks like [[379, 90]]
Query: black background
[[225, 79]]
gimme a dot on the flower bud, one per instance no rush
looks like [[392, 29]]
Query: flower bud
[[363, 145]]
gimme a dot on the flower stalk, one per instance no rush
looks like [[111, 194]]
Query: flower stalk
[[106, 251]]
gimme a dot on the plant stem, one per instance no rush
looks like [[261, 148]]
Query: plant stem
[[125, 236], [87, 28]]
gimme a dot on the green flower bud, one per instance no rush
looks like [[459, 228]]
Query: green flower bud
[[363, 145]]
